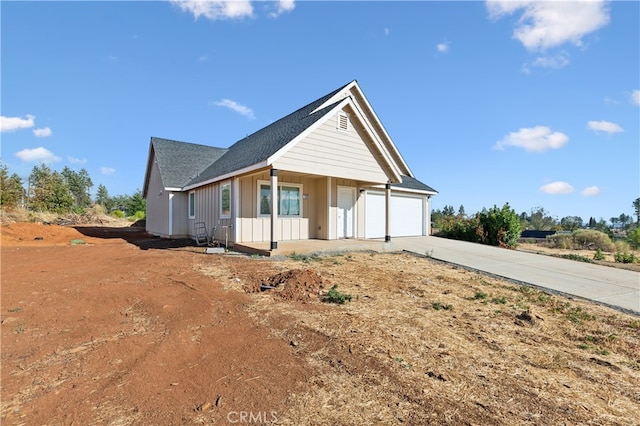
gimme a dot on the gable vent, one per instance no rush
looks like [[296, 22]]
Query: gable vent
[[343, 121]]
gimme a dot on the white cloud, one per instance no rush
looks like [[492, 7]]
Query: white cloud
[[11, 124], [74, 160], [560, 60], [283, 6], [216, 9], [591, 191], [604, 126], [558, 187], [533, 139], [107, 171], [635, 97], [39, 154], [386, 31], [234, 106], [45, 132], [545, 24], [203, 58], [443, 47]]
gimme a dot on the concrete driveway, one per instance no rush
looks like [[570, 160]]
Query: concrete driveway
[[611, 286]]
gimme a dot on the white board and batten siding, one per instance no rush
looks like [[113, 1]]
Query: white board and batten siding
[[329, 151], [408, 215]]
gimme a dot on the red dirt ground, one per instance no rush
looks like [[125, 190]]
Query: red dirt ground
[[105, 331]]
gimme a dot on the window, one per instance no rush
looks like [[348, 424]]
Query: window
[[192, 205], [289, 196], [343, 121], [265, 199], [225, 200]]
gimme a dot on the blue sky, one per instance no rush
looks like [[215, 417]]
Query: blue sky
[[531, 103]]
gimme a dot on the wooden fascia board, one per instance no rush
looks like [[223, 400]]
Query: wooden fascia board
[[226, 176], [147, 175], [381, 127], [335, 98], [405, 190]]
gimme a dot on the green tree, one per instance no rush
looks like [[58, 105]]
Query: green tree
[[571, 223], [625, 220], [614, 221], [448, 211], [135, 203], [461, 211], [11, 189], [49, 190], [80, 185], [540, 220], [636, 208], [102, 197]]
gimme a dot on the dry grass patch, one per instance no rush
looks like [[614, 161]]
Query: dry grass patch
[[422, 342]]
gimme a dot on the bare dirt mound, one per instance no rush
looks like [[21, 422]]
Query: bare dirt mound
[[301, 285], [38, 234]]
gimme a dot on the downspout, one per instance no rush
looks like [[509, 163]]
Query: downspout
[[170, 214]]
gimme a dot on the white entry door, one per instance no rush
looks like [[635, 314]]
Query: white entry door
[[346, 202]]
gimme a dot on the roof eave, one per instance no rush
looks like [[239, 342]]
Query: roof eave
[[225, 176]]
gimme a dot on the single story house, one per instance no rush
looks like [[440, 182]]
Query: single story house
[[330, 165]]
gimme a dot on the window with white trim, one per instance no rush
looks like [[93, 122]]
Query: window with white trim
[[225, 200], [192, 205], [343, 121], [289, 199]]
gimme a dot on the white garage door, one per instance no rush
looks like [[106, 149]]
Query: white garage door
[[407, 215]]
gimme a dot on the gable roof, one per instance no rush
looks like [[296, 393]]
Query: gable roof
[[185, 166], [259, 146], [180, 162]]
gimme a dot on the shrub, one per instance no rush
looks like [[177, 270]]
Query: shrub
[[499, 227], [139, 215], [562, 241], [625, 257], [438, 305], [334, 296], [592, 239], [621, 246], [599, 255], [459, 228], [118, 214], [577, 257]]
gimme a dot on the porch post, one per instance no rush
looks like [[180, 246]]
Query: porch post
[[387, 212], [274, 208]]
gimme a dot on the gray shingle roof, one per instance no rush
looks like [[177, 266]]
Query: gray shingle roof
[[409, 182], [259, 146], [179, 162], [184, 164]]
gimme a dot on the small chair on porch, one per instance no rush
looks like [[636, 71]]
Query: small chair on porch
[[200, 232]]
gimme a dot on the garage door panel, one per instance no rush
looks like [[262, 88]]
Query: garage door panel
[[374, 217], [407, 215]]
